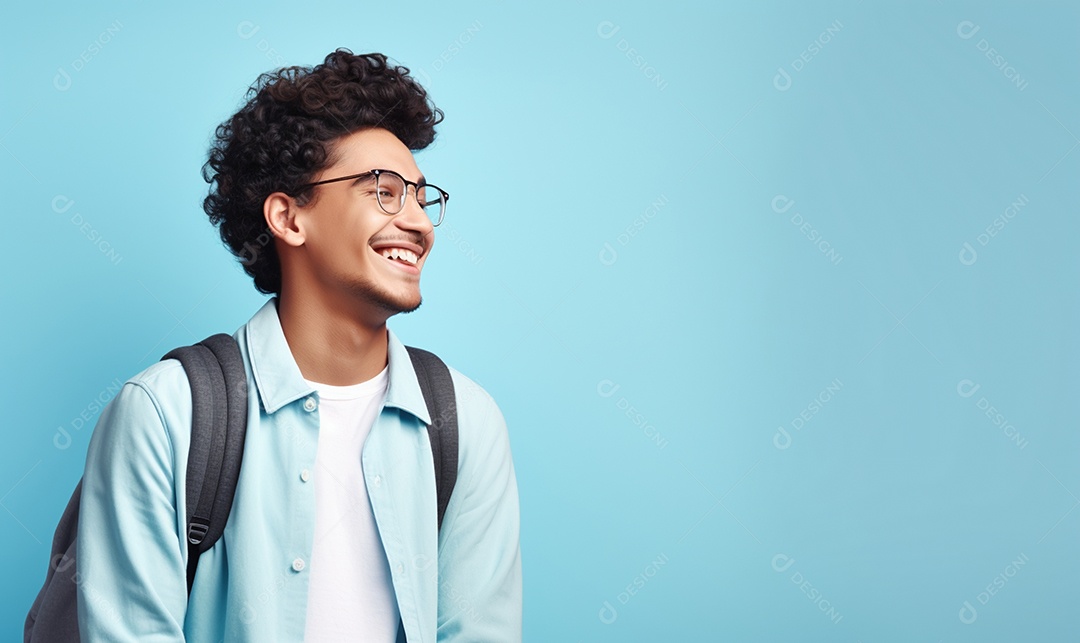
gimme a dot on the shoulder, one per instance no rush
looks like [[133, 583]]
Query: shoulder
[[153, 402], [481, 424], [468, 390], [166, 384], [159, 375], [472, 398]]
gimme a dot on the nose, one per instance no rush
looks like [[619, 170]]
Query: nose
[[412, 216]]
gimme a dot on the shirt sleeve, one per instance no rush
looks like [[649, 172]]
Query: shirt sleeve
[[131, 561], [480, 556]]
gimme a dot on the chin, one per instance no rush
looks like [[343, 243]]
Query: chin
[[391, 302], [395, 305], [406, 305]]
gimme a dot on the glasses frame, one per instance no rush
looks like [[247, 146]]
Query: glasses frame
[[404, 195]]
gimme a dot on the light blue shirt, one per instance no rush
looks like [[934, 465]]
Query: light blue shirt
[[460, 584]]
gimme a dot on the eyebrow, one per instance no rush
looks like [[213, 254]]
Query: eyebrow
[[364, 177]]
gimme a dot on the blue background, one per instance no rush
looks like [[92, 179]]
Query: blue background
[[709, 259]]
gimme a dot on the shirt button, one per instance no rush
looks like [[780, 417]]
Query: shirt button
[[400, 568], [377, 481], [305, 475], [298, 565], [309, 404]]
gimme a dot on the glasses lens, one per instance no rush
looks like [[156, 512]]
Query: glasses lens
[[391, 190], [432, 201]]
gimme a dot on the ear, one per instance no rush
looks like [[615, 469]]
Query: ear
[[281, 214]]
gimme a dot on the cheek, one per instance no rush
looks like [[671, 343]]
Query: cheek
[[343, 242], [346, 231]]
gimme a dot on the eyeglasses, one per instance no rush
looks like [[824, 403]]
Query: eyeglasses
[[391, 189]]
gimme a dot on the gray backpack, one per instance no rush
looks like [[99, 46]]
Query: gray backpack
[[215, 369]]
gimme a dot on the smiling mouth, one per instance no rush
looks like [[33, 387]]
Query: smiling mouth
[[400, 255]]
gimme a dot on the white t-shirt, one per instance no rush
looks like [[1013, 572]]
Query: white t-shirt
[[350, 595]]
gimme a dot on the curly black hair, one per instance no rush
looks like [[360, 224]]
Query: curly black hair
[[282, 137]]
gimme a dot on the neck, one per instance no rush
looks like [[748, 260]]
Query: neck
[[332, 341]]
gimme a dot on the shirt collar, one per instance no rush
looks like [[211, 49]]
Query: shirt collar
[[279, 380]]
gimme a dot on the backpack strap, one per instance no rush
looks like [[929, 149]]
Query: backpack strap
[[215, 370], [438, 389]]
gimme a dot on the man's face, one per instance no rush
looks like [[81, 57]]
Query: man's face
[[347, 233]]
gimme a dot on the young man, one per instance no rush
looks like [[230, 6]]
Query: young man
[[332, 534]]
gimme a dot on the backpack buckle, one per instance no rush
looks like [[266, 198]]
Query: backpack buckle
[[197, 529]]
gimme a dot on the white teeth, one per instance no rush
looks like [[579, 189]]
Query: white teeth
[[399, 253]]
